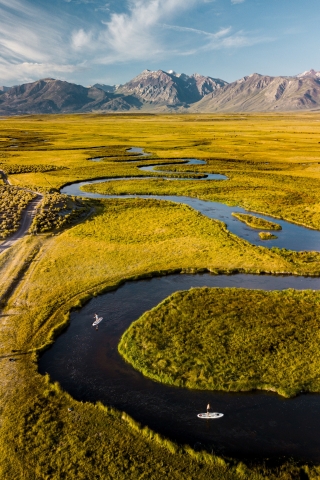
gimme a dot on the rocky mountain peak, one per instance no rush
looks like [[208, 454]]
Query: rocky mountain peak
[[170, 88], [309, 73]]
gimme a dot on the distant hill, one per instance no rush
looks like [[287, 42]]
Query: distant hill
[[160, 91], [54, 96], [263, 93]]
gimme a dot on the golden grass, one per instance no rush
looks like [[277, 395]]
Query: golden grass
[[267, 236], [130, 238], [257, 222]]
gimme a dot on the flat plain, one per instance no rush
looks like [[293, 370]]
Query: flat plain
[[273, 166]]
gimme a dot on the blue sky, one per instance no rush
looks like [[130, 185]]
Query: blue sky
[[89, 41]]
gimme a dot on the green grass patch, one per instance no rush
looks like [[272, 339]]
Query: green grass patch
[[267, 236], [11, 169], [256, 222], [230, 339]]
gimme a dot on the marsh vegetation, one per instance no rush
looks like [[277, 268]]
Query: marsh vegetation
[[58, 211], [272, 162], [11, 168], [230, 339], [267, 236], [256, 222]]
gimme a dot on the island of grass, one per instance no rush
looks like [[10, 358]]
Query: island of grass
[[256, 222], [267, 236], [230, 339]]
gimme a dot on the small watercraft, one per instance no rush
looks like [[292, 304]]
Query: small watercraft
[[210, 415], [97, 321]]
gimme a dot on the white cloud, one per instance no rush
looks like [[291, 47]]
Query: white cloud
[[32, 43], [234, 2], [35, 43], [140, 35], [221, 33], [27, 33], [136, 35], [25, 72], [81, 39], [223, 38]]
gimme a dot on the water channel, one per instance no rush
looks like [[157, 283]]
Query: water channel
[[256, 425], [291, 237], [87, 364]]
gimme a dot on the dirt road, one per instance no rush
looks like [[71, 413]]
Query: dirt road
[[26, 219]]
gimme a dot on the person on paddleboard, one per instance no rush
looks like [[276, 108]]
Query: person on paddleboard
[[208, 408], [95, 316]]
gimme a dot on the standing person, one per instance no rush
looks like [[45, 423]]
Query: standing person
[[208, 409], [95, 319]]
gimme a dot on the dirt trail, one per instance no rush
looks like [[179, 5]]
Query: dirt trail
[[15, 264], [26, 221], [26, 218]]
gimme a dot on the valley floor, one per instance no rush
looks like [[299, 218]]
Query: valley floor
[[272, 162]]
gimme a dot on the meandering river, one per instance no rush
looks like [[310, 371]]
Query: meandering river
[[291, 237], [87, 364], [255, 425]]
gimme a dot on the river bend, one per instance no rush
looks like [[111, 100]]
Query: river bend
[[256, 424]]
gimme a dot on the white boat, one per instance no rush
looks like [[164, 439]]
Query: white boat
[[210, 415], [97, 321]]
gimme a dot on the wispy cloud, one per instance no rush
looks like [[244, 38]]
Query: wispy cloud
[[25, 72], [81, 39], [103, 8], [139, 34], [221, 33], [136, 34], [31, 41], [234, 2], [223, 38], [35, 43]]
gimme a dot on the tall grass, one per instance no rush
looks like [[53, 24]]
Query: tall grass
[[257, 222], [230, 339]]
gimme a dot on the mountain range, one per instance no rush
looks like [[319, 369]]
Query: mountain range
[[160, 91]]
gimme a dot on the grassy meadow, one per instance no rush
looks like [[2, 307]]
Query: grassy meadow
[[272, 162], [230, 339]]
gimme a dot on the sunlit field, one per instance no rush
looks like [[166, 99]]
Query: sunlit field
[[273, 166]]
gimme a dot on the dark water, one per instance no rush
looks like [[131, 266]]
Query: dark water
[[255, 425]]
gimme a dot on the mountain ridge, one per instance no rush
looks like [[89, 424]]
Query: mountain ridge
[[160, 91], [264, 93]]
